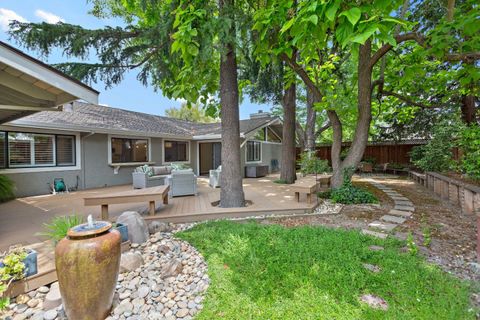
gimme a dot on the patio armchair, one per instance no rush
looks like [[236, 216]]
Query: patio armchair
[[214, 177], [182, 183]]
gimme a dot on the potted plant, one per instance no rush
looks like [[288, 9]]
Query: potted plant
[[12, 268], [123, 229]]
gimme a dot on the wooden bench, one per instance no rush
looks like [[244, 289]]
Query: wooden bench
[[308, 186], [149, 195]]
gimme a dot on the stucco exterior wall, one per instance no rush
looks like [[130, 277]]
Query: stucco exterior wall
[[270, 151]]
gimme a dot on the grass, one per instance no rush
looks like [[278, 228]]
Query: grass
[[272, 272]]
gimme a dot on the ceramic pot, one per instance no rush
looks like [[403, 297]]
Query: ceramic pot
[[87, 263]]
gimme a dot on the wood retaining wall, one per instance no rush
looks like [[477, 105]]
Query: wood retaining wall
[[459, 193]]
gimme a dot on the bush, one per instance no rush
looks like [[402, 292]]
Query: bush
[[348, 193], [6, 189], [470, 144], [310, 163], [436, 155], [57, 229]]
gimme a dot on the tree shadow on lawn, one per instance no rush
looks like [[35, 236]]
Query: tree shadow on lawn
[[274, 272]]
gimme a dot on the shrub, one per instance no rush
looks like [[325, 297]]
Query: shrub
[[6, 189], [436, 155], [57, 229], [470, 144], [310, 163], [13, 269], [348, 193]]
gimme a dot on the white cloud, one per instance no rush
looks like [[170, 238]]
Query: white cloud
[[6, 16], [48, 17]]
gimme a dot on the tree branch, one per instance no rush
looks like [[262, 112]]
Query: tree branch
[[399, 39], [409, 100], [303, 75]]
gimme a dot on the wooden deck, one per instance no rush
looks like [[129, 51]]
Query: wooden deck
[[21, 219]]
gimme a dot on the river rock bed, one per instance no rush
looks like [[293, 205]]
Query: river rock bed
[[169, 283]]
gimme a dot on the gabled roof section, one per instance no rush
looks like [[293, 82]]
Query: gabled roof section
[[28, 85], [86, 117]]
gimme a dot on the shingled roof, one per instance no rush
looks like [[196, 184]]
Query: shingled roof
[[97, 118]]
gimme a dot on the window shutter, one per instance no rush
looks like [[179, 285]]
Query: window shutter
[[65, 150], [44, 150]]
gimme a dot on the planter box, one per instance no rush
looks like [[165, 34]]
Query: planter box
[[30, 263], [123, 229], [256, 171]]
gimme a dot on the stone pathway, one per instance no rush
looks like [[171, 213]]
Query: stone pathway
[[402, 210]]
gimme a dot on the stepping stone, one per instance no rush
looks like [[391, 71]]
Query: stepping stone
[[372, 267], [404, 208], [401, 198], [380, 235], [403, 203], [382, 225], [405, 214], [374, 302], [393, 219], [376, 248]]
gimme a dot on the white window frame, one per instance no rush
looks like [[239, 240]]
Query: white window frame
[[118, 164], [246, 151], [32, 152], [163, 151]]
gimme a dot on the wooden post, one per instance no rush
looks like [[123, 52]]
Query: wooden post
[[104, 212], [309, 198], [152, 208], [297, 196]]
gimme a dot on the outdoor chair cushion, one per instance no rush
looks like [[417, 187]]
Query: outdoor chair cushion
[[162, 170]]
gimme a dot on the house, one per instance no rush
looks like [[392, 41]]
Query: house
[[47, 133], [90, 145]]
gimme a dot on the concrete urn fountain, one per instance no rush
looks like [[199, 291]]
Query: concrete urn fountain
[[87, 263]]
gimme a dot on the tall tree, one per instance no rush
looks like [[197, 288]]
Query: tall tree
[[231, 194], [184, 48]]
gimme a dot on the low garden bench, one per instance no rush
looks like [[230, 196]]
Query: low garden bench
[[149, 195], [308, 186]]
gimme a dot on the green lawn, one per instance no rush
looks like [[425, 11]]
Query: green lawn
[[271, 272]]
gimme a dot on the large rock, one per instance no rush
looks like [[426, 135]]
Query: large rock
[[157, 226], [130, 261], [137, 227]]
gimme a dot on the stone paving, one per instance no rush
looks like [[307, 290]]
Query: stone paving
[[402, 210]]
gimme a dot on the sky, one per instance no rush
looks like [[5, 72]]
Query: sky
[[130, 94]]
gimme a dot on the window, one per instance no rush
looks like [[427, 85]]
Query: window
[[24, 150], [3, 149], [129, 150], [176, 151], [30, 150], [254, 151], [65, 150], [260, 135], [272, 136]]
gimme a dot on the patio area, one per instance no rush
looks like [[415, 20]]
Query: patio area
[[22, 218]]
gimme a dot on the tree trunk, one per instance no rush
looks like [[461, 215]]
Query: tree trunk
[[337, 178], [288, 165], [231, 194], [311, 120], [360, 138], [468, 109]]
